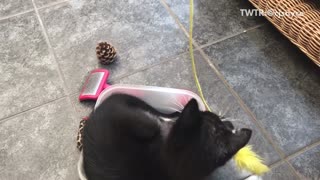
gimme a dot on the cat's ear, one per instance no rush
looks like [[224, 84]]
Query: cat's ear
[[190, 116], [238, 140]]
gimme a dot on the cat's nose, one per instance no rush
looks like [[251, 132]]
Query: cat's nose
[[245, 131]]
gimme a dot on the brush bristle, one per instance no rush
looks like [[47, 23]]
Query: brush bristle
[[247, 159]]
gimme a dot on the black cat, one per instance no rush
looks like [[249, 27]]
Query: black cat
[[126, 139]]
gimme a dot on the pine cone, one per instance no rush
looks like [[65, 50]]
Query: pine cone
[[106, 53]]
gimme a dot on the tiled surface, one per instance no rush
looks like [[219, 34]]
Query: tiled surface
[[178, 71], [83, 109], [41, 3], [9, 7], [40, 144], [214, 19], [38, 123], [270, 75], [281, 172], [142, 32], [308, 164], [29, 76]]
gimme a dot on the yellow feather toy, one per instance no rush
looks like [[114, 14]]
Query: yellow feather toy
[[245, 158]]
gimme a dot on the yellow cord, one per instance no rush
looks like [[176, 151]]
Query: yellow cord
[[194, 69], [245, 158]]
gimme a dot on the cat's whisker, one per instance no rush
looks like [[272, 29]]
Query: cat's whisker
[[178, 105], [231, 119], [220, 113], [226, 110]]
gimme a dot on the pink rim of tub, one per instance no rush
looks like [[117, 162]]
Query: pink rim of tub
[[167, 100], [161, 98]]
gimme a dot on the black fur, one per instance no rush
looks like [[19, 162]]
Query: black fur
[[126, 139]]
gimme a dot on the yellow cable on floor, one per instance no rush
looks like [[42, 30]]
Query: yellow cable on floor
[[245, 158], [194, 69]]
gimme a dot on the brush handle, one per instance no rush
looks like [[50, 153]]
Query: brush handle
[[105, 86], [94, 85]]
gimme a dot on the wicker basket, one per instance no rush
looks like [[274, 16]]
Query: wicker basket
[[314, 45], [256, 2], [307, 32], [299, 22], [272, 5], [263, 4], [285, 6], [303, 31], [288, 20]]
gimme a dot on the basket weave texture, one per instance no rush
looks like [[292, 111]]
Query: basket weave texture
[[303, 30]]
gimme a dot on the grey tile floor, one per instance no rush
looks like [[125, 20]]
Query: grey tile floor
[[247, 69]]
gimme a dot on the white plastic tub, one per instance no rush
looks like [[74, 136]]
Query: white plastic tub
[[166, 100]]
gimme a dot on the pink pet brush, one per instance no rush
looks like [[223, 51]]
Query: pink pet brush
[[94, 85]]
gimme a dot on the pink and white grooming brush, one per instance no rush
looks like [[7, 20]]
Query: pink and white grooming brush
[[94, 85]]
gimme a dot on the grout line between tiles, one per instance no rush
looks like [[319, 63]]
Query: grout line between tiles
[[152, 65], [231, 36], [174, 16], [217, 72], [53, 4], [44, 32], [240, 101], [66, 91], [303, 150], [275, 165], [66, 95], [249, 112], [59, 69], [293, 169], [167, 59], [222, 39], [231, 90], [242, 104], [279, 163], [14, 15], [31, 109], [35, 107], [141, 69], [73, 93], [144, 68], [30, 10]]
